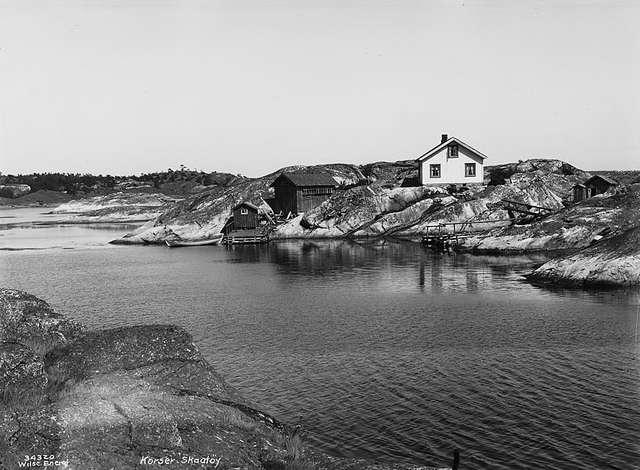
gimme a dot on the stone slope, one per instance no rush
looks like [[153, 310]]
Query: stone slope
[[123, 206], [576, 226], [613, 261], [380, 210], [373, 200]]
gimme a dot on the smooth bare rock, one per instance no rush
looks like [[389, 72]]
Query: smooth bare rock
[[123, 206], [360, 211], [614, 262], [501, 174], [574, 227], [383, 199]]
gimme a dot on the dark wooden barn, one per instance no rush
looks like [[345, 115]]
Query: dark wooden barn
[[245, 216], [599, 184], [300, 192], [593, 186]]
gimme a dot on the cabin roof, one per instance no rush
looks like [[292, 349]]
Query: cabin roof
[[245, 204], [603, 178], [307, 179], [447, 142], [579, 185]]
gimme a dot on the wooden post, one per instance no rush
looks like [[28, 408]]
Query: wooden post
[[456, 459]]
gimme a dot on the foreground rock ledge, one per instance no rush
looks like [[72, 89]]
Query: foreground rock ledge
[[118, 398]]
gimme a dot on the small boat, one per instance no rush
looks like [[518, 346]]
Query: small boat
[[208, 241]]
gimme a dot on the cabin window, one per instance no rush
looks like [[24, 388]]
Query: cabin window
[[435, 170], [244, 211], [316, 191], [470, 169], [453, 151]]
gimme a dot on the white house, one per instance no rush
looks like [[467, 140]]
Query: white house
[[451, 162]]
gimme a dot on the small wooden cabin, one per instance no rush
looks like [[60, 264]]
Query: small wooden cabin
[[245, 216], [300, 192], [593, 186]]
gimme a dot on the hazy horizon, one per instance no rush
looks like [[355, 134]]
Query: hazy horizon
[[249, 87]]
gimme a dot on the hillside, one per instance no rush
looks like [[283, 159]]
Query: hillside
[[373, 200], [576, 226], [41, 189]]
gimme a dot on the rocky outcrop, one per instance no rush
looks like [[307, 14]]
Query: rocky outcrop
[[613, 261], [205, 214], [381, 210], [373, 200], [365, 211], [127, 397], [502, 174], [117, 207], [574, 227]]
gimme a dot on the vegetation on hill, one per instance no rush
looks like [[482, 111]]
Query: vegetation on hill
[[180, 181]]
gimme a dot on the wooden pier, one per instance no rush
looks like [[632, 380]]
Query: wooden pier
[[444, 236], [529, 212], [245, 237]]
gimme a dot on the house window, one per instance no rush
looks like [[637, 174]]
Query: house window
[[470, 169], [453, 151], [435, 170], [244, 211]]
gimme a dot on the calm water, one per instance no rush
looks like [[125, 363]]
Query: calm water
[[380, 350]]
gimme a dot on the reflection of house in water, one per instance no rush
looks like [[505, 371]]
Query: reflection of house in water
[[592, 187], [300, 192], [472, 280]]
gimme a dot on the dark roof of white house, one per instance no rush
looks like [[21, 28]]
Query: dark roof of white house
[[446, 143], [307, 179]]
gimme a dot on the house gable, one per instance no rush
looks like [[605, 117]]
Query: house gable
[[465, 148], [451, 162]]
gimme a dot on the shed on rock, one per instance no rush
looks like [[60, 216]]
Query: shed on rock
[[592, 187], [300, 192], [245, 216]]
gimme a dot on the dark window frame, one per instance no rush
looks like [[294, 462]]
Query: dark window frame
[[435, 166], [453, 150], [470, 170]]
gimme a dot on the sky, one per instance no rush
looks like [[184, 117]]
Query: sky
[[249, 86]]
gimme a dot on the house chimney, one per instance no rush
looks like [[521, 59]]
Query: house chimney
[[445, 137]]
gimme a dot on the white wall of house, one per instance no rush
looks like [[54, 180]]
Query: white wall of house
[[452, 169]]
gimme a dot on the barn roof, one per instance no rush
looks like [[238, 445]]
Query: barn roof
[[603, 178], [307, 179], [246, 204], [447, 142]]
